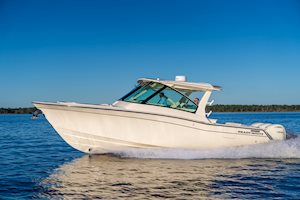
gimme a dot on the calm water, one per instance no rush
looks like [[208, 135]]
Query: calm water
[[36, 163]]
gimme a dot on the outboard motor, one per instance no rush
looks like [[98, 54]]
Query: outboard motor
[[276, 131]]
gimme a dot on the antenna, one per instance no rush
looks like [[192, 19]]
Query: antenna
[[180, 78]]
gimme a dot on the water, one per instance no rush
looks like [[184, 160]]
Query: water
[[36, 163]]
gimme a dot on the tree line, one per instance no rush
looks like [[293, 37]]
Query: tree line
[[214, 108], [17, 110]]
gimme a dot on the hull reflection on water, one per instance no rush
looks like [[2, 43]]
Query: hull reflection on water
[[111, 177]]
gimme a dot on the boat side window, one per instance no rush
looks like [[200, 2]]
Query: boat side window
[[173, 99], [143, 93]]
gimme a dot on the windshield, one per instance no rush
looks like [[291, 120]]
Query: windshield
[[160, 95]]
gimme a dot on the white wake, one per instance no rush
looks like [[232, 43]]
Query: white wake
[[277, 149]]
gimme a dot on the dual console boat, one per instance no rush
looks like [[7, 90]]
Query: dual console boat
[[155, 114]]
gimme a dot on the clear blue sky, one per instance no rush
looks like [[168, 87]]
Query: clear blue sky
[[93, 51]]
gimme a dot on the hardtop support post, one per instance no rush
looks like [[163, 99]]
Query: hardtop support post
[[202, 104]]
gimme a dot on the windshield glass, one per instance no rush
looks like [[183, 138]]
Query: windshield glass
[[141, 94], [161, 95]]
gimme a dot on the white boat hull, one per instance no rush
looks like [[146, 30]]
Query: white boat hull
[[105, 129]]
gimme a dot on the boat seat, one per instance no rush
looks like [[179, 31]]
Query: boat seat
[[233, 124], [172, 103], [261, 125], [257, 124]]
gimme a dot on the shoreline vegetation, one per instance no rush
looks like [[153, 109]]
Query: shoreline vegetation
[[214, 108]]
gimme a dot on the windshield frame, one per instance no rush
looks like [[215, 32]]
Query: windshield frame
[[157, 92]]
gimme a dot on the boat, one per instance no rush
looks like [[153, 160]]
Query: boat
[[156, 114]]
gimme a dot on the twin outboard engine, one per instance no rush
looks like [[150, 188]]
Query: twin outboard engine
[[276, 131]]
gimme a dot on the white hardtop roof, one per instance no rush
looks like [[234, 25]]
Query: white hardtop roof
[[183, 85]]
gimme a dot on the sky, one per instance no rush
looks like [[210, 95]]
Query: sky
[[94, 51]]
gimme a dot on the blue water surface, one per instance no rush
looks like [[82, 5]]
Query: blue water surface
[[36, 163], [30, 150]]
